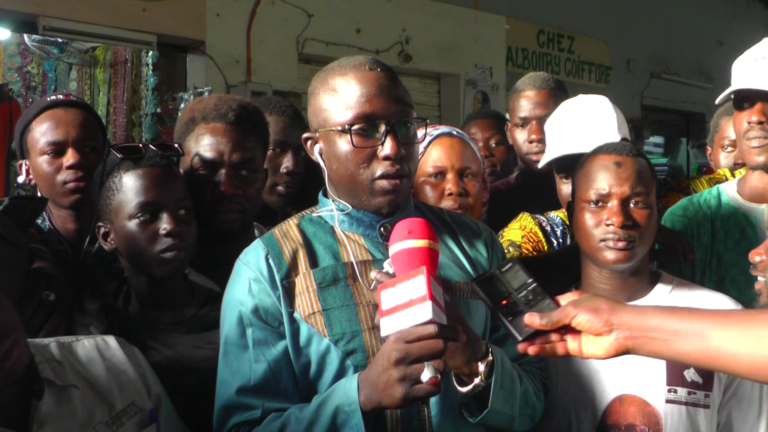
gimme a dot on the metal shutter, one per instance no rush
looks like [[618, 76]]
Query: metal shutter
[[425, 91]]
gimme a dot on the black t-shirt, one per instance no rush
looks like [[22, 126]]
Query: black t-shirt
[[182, 347], [523, 191]]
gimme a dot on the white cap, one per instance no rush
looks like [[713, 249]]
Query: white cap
[[581, 124], [749, 71]]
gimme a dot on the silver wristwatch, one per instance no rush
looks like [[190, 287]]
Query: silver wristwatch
[[484, 367]]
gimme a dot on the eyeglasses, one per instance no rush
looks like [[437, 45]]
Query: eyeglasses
[[409, 131], [138, 150]]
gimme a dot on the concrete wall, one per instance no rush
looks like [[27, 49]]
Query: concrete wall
[[442, 39], [697, 39], [179, 18]]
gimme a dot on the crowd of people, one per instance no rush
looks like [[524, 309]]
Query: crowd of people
[[226, 281]]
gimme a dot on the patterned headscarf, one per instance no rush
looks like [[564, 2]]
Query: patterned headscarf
[[434, 132]]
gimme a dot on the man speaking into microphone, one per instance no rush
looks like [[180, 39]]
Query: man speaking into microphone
[[300, 349]]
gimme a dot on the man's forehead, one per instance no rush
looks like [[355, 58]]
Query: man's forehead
[[216, 149], [217, 141], [52, 120], [348, 96], [541, 101], [485, 127], [148, 182], [599, 167]]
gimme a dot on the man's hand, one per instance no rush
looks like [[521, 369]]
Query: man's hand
[[585, 326], [392, 380], [462, 355], [673, 246]]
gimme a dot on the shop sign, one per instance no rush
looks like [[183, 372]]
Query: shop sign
[[569, 56]]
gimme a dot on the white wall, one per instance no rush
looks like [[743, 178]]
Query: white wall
[[443, 39], [179, 18], [698, 39]]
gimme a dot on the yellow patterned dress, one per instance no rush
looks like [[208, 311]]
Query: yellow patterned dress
[[532, 234]]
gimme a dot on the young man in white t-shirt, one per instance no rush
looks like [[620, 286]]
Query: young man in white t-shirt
[[614, 220]]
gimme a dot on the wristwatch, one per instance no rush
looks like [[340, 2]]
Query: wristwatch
[[485, 369]]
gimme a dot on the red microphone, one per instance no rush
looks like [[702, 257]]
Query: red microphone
[[414, 296]]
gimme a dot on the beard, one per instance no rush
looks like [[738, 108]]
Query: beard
[[763, 168]]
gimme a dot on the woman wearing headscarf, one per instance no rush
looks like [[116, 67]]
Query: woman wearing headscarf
[[450, 174]]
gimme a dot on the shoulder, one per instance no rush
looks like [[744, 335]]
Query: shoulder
[[452, 223], [559, 215], [199, 281], [86, 351], [524, 236], [688, 294], [259, 271], [461, 235], [524, 222], [289, 225], [503, 185], [259, 229], [692, 207], [275, 243], [708, 181], [521, 219]]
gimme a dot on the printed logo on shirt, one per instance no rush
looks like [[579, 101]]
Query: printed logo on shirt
[[120, 419], [689, 386]]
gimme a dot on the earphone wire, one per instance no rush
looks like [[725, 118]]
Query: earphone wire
[[335, 212]]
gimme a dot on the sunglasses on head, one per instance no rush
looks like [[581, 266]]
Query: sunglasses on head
[[138, 150]]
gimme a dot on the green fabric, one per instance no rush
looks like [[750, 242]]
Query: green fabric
[[722, 229], [277, 371]]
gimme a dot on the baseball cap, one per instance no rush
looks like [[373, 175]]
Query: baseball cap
[[47, 103], [581, 124], [749, 71]]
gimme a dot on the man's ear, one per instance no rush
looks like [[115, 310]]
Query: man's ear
[[25, 172], [310, 141], [709, 157], [104, 234], [508, 130]]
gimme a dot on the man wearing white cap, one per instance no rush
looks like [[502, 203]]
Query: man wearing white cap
[[576, 127], [725, 223]]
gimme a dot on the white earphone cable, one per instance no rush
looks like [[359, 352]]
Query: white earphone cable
[[335, 212]]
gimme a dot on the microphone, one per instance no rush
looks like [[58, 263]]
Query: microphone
[[511, 292], [414, 296]]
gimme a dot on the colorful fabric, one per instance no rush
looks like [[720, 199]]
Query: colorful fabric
[[297, 327], [531, 234], [435, 131], [122, 70], [722, 228], [671, 191]]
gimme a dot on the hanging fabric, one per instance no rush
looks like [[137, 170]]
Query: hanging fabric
[[118, 82], [121, 86], [10, 111]]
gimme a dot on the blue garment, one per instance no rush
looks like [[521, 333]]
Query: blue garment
[[297, 329]]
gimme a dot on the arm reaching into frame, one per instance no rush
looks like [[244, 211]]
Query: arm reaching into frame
[[590, 326]]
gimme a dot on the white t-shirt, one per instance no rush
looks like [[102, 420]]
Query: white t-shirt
[[606, 395]]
